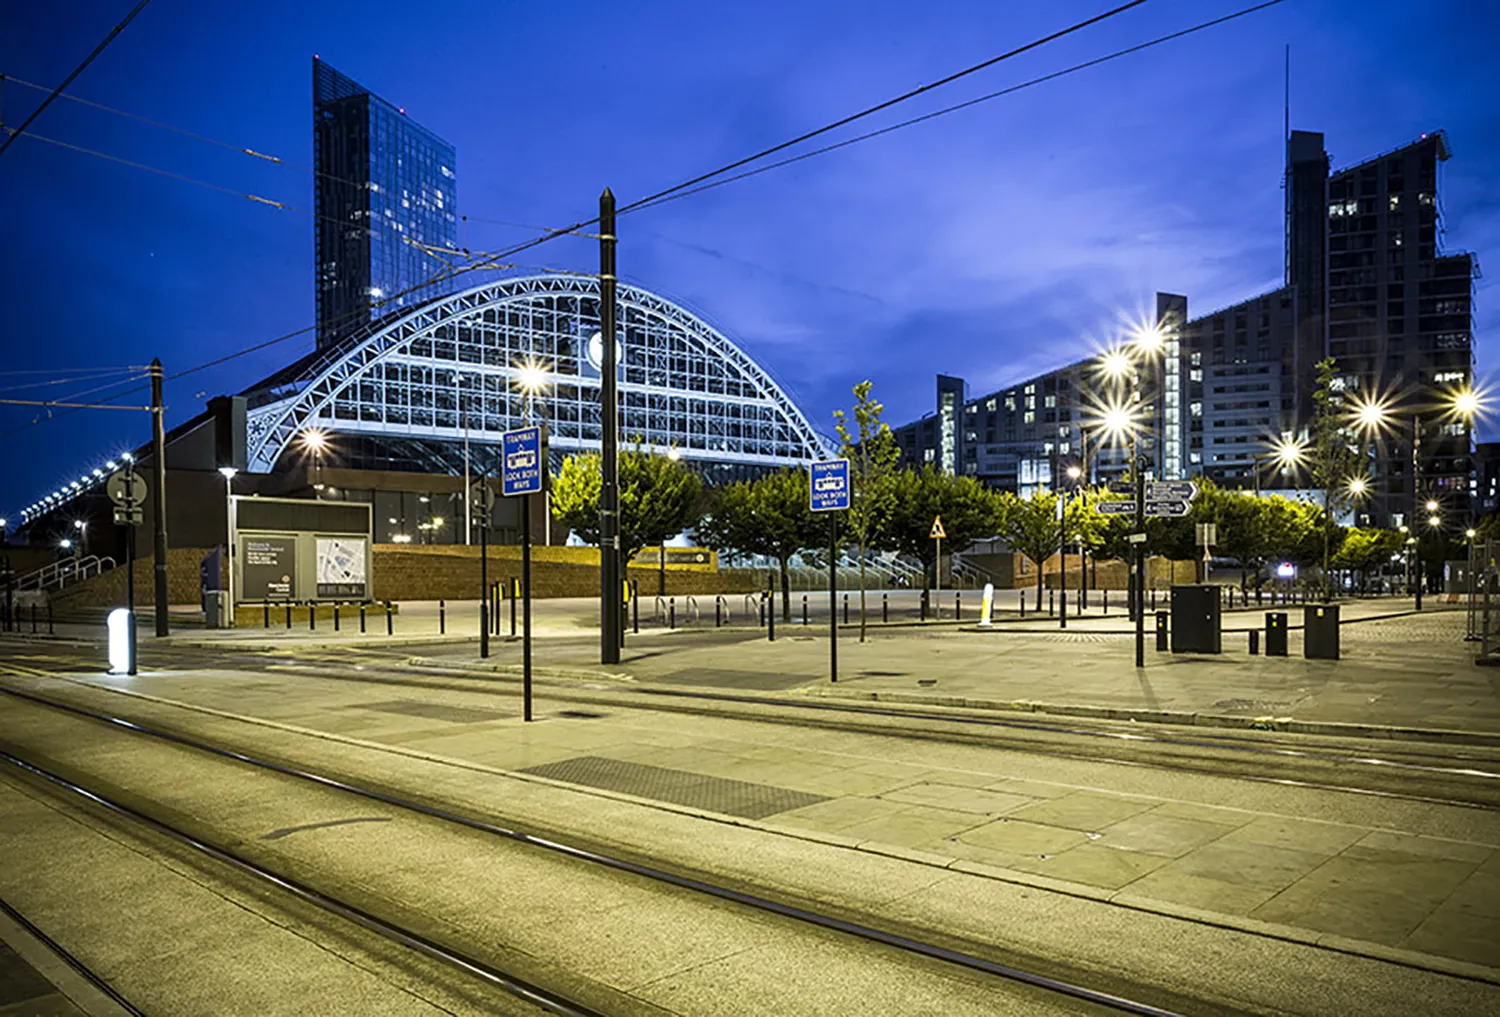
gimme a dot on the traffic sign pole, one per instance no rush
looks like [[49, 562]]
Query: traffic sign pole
[[828, 490], [484, 571]]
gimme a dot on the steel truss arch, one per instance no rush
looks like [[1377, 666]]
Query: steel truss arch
[[450, 369]]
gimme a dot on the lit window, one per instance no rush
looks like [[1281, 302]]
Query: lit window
[[1031, 402], [1065, 447], [1444, 376], [1195, 409], [1030, 417], [1050, 401], [1395, 202], [1195, 457], [1010, 403], [1396, 238], [1196, 374], [990, 405], [928, 455]]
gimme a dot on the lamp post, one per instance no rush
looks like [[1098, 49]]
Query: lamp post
[[315, 440], [1075, 474], [1121, 420], [83, 536], [228, 472]]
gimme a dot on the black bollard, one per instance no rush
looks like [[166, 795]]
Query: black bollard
[[312, 615], [1051, 603], [1023, 603], [804, 609], [442, 617], [672, 613], [515, 595], [846, 609], [289, 614], [1105, 601], [885, 607], [361, 616], [335, 616], [635, 606], [958, 605], [265, 607], [390, 625], [718, 612], [770, 620]]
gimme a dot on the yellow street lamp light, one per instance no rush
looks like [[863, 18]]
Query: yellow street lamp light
[[1434, 521], [1358, 486], [1075, 471], [1149, 338], [314, 439], [1432, 505], [1471, 533], [1116, 364], [1371, 414]]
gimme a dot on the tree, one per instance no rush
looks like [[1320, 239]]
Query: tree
[[659, 497], [915, 498], [1333, 459], [770, 516], [1032, 526], [872, 452], [1364, 549]]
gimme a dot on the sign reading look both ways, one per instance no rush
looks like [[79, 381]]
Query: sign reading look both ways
[[828, 487]]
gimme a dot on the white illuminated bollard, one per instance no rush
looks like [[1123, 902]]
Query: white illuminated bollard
[[987, 605], [119, 623]]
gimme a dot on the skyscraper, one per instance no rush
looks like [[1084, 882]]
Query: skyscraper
[[383, 184]]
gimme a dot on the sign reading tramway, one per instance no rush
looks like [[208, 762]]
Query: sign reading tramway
[[523, 466], [828, 486]]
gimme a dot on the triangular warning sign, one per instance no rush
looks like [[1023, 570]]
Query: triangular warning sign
[[937, 528]]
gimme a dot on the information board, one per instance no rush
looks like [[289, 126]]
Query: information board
[[268, 568], [342, 567]]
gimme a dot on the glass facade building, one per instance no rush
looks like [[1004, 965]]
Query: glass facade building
[[383, 185]]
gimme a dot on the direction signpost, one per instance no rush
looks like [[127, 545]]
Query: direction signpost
[[828, 490], [937, 533], [127, 489], [523, 473]]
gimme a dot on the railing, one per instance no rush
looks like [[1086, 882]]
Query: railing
[[60, 573]]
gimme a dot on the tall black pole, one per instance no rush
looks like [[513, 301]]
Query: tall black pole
[[1416, 495], [1140, 551], [484, 566], [1062, 554], [159, 452], [833, 585], [526, 606], [130, 507], [610, 615]]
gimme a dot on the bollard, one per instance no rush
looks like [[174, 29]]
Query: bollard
[[1254, 642], [442, 617], [1051, 603], [770, 620], [1153, 598], [361, 616], [635, 606], [515, 595], [672, 613], [1023, 603], [1106, 601], [885, 607], [335, 616], [1163, 630], [312, 615], [958, 605], [265, 607], [718, 612], [804, 609], [924, 604], [760, 613], [846, 609], [289, 614], [390, 625]]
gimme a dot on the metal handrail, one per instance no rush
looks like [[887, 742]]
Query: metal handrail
[[59, 572]]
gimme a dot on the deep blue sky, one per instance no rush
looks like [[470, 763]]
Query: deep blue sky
[[991, 244]]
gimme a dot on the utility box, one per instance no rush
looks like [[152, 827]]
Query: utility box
[[1163, 629], [216, 609], [1275, 633], [1320, 632], [1197, 619]]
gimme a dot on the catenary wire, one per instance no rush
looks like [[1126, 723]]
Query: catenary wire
[[76, 71], [845, 143]]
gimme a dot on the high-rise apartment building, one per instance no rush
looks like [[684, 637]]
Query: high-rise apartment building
[[383, 185], [1367, 283]]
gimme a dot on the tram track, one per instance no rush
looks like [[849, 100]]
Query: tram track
[[1094, 999]]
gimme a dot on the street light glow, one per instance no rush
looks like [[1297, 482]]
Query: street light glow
[[1432, 505], [1075, 471], [1117, 422], [1470, 533], [1371, 414], [531, 377], [1358, 486], [227, 472], [1150, 338], [1434, 521], [1288, 451], [314, 439], [1115, 364], [673, 454]]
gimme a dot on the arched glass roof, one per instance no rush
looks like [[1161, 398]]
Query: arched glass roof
[[452, 370]]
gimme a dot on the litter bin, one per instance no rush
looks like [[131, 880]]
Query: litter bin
[[215, 609], [1320, 632], [1197, 612], [1163, 628], [1275, 633]]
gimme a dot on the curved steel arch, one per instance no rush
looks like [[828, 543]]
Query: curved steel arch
[[447, 371]]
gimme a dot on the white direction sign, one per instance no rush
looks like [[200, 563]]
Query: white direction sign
[[1171, 490], [116, 484], [1116, 508], [1167, 509]]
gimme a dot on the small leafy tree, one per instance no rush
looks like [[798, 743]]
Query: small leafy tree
[[769, 516], [872, 452], [659, 497], [969, 511], [1031, 526]]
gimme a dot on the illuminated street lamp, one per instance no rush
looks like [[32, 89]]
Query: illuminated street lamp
[[1287, 453], [228, 472], [315, 440]]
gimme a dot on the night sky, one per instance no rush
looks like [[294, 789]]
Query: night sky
[[995, 243]]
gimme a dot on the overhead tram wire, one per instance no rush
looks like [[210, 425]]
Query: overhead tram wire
[[583, 224], [243, 150], [76, 71], [652, 203]]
